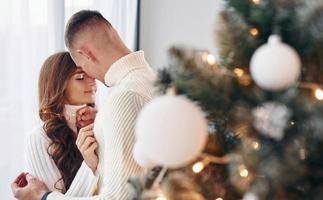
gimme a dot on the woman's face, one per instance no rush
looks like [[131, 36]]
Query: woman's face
[[80, 89]]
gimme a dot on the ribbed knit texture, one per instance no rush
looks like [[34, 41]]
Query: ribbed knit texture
[[40, 164], [132, 79]]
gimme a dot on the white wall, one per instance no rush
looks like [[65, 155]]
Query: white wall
[[165, 23]]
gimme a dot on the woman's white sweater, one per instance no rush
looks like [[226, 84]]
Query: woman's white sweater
[[40, 164]]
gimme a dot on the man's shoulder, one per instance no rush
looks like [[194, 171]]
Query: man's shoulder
[[135, 87], [127, 95]]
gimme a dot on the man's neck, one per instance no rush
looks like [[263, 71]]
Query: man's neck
[[113, 57]]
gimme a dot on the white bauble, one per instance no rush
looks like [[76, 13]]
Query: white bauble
[[275, 65], [141, 158], [250, 196], [172, 131]]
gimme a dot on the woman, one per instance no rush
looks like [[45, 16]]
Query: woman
[[52, 154]]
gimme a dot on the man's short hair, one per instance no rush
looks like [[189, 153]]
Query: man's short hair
[[79, 21]]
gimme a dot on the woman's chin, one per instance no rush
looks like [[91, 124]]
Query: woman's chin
[[91, 100]]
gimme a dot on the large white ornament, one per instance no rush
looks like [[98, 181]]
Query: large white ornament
[[171, 131], [275, 66], [141, 158]]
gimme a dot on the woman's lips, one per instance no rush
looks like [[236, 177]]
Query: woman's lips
[[90, 92]]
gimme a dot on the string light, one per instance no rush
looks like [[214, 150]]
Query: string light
[[244, 79], [302, 154], [171, 91], [255, 145], [161, 198], [319, 94], [255, 1], [198, 167], [210, 59], [254, 32], [243, 172], [219, 198], [207, 159], [239, 72], [204, 56]]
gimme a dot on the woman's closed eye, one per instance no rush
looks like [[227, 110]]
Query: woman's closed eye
[[79, 76]]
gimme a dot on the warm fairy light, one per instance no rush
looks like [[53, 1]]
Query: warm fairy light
[[161, 198], [255, 1], [210, 59], [302, 154], [204, 56], [243, 172], [319, 94], [245, 80], [198, 167], [219, 198], [171, 91], [254, 32], [256, 145], [292, 123], [239, 72]]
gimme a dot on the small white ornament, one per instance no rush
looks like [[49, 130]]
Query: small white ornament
[[171, 130], [250, 196], [275, 66], [271, 119]]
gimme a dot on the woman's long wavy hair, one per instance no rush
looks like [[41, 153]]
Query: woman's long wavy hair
[[53, 79]]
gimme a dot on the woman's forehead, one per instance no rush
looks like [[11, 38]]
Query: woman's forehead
[[78, 70]]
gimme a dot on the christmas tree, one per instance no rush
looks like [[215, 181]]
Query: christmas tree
[[263, 105]]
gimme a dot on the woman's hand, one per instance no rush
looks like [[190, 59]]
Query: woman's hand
[[85, 116], [87, 145]]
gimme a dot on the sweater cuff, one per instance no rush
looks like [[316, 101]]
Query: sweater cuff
[[44, 197], [55, 196], [84, 183]]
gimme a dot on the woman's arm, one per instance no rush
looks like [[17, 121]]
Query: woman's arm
[[40, 164]]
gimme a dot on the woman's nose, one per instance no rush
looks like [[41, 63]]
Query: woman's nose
[[91, 80]]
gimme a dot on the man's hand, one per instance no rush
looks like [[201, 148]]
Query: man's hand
[[34, 190], [85, 116], [87, 145]]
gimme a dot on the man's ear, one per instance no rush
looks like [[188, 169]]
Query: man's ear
[[86, 53]]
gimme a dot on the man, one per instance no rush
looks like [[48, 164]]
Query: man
[[96, 47]]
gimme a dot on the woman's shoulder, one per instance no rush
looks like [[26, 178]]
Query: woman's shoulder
[[37, 135]]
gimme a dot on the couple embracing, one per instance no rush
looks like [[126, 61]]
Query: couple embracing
[[71, 155]]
